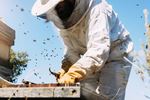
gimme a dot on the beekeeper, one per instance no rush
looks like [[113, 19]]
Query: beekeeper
[[96, 44]]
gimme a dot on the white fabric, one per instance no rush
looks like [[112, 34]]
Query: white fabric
[[94, 42], [110, 84], [40, 7], [99, 37], [96, 35]]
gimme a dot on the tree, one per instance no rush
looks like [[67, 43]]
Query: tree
[[147, 49], [17, 63]]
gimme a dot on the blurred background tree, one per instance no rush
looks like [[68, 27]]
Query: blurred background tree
[[142, 57], [147, 44], [17, 63]]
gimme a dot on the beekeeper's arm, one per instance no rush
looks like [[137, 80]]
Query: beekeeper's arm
[[70, 56], [98, 47]]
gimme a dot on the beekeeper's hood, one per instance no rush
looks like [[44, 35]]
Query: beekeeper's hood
[[64, 13]]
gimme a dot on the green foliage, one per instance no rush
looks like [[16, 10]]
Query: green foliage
[[18, 62]]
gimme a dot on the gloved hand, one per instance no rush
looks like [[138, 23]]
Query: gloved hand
[[75, 74], [65, 67], [60, 73]]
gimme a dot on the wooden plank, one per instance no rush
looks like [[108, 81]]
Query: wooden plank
[[6, 30], [41, 92]]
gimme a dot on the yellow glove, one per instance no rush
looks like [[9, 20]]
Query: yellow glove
[[75, 74], [65, 67], [60, 73]]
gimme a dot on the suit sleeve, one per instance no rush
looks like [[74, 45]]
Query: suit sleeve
[[98, 44], [69, 52]]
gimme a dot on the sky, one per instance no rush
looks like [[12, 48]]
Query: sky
[[45, 47]]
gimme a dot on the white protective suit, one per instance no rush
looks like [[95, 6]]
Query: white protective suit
[[96, 41]]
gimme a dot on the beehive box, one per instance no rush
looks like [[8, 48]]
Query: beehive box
[[7, 36], [40, 91]]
